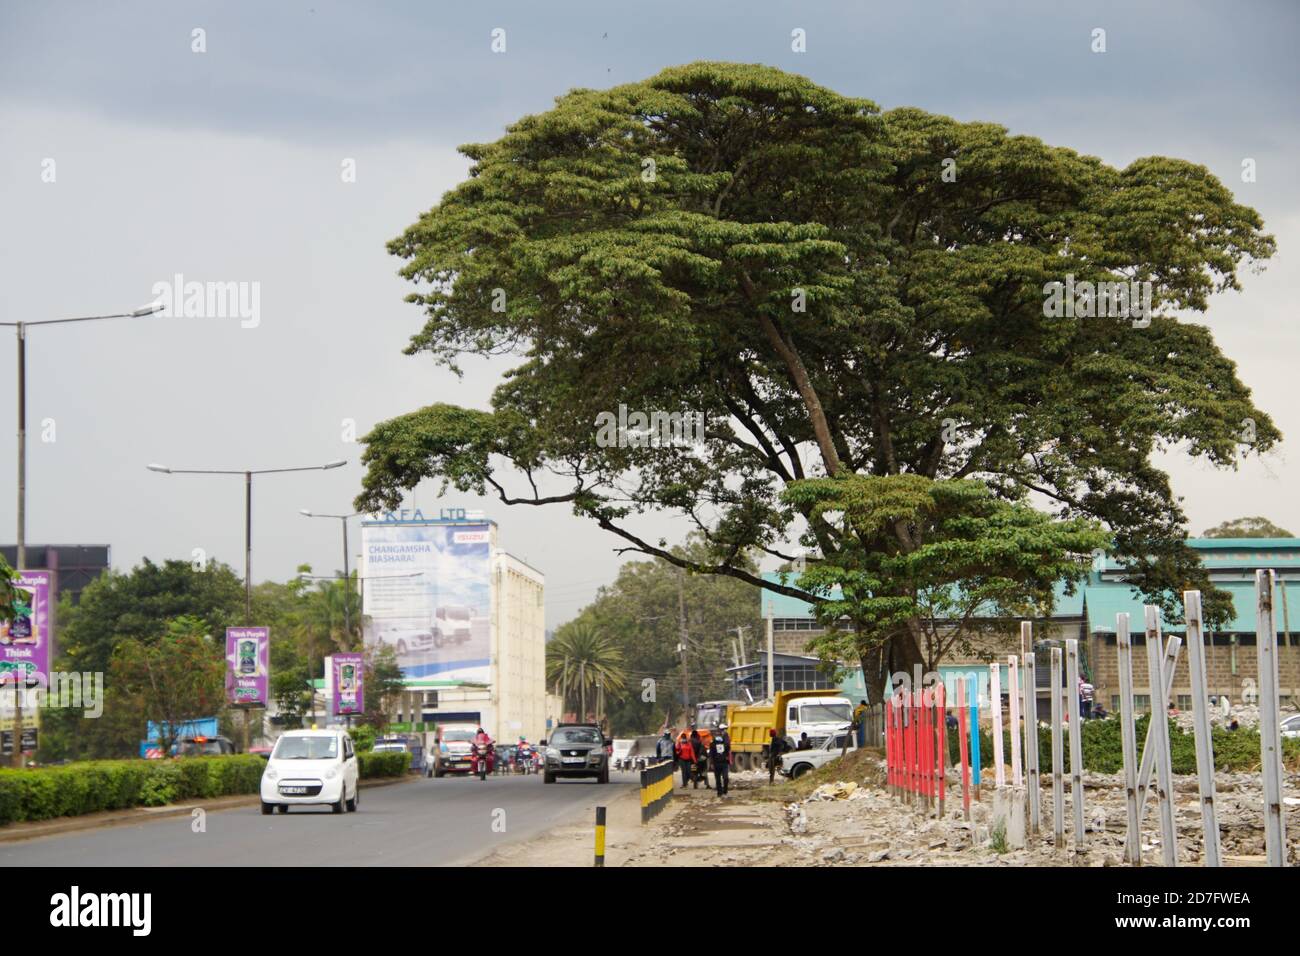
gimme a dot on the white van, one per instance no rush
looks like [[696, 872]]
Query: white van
[[311, 767]]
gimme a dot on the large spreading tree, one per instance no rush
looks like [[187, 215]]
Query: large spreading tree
[[844, 294]]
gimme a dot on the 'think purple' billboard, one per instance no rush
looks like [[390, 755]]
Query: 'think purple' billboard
[[349, 684], [25, 637], [248, 665]]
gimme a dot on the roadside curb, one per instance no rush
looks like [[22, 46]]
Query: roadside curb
[[18, 832]]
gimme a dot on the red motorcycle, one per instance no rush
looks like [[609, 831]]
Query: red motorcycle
[[484, 758]]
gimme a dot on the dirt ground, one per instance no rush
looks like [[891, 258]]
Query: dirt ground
[[842, 815]]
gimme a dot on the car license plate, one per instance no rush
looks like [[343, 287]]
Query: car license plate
[[292, 790], [575, 760]]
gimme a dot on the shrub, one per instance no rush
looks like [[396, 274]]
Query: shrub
[[388, 764], [92, 786]]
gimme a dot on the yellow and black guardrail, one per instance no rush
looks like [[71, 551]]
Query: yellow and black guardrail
[[656, 789]]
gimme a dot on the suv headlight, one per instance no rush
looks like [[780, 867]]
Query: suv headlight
[[552, 752], [270, 773], [331, 773]]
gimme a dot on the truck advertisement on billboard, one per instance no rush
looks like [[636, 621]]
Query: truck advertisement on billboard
[[25, 637], [347, 687], [427, 595], [248, 665]]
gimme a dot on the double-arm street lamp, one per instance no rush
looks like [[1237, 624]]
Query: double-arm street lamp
[[248, 474], [347, 579]]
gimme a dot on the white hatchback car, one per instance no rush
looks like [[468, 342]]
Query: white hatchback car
[[311, 767]]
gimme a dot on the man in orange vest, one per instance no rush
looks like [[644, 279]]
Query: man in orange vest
[[685, 758]]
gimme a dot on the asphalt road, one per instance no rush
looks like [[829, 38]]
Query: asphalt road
[[443, 822]]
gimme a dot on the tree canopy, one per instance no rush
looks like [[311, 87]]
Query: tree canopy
[[841, 292], [1256, 527]]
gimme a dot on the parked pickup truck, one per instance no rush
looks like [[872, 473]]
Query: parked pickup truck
[[798, 762]]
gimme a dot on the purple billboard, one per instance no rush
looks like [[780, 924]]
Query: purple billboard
[[248, 665], [25, 637], [349, 683]]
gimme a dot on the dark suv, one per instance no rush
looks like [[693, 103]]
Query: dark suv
[[576, 750]]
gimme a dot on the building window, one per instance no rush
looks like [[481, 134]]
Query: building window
[[1141, 703], [1183, 702]]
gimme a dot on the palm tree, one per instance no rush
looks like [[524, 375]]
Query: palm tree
[[581, 658]]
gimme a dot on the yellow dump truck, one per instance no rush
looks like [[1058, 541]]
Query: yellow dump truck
[[818, 713]]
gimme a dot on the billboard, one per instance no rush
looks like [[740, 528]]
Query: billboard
[[426, 594], [347, 684], [25, 638], [248, 665]]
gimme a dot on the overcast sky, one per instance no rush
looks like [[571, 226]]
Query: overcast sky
[[225, 166]]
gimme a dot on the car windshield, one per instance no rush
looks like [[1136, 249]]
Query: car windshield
[[448, 736], [825, 714], [576, 735], [306, 748]]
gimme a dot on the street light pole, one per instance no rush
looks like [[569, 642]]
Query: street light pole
[[347, 573], [20, 557], [248, 474]]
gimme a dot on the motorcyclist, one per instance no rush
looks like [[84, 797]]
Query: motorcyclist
[[483, 745]]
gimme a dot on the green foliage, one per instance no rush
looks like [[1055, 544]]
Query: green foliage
[[7, 594], [363, 737], [177, 678], [796, 267], [387, 764], [1257, 527], [94, 786], [579, 659], [641, 613]]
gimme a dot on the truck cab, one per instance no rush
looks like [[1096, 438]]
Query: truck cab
[[818, 717]]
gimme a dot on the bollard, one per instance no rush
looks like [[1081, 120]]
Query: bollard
[[600, 836]]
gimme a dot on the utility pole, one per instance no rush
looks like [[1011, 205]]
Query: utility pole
[[771, 666], [681, 624]]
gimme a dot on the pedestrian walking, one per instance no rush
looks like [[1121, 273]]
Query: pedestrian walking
[[664, 749], [720, 757], [701, 761], [775, 748], [685, 758]]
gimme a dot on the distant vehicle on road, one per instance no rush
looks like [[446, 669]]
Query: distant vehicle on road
[[311, 767], [453, 751], [576, 750], [203, 746], [796, 763], [1291, 726]]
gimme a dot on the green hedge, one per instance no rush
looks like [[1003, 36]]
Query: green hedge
[[92, 786], [386, 764], [1103, 751]]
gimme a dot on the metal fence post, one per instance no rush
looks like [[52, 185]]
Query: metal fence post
[[1201, 726], [1128, 739], [1270, 734], [1160, 739], [1058, 782], [1076, 740]]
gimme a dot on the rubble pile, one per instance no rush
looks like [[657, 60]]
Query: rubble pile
[[858, 823]]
